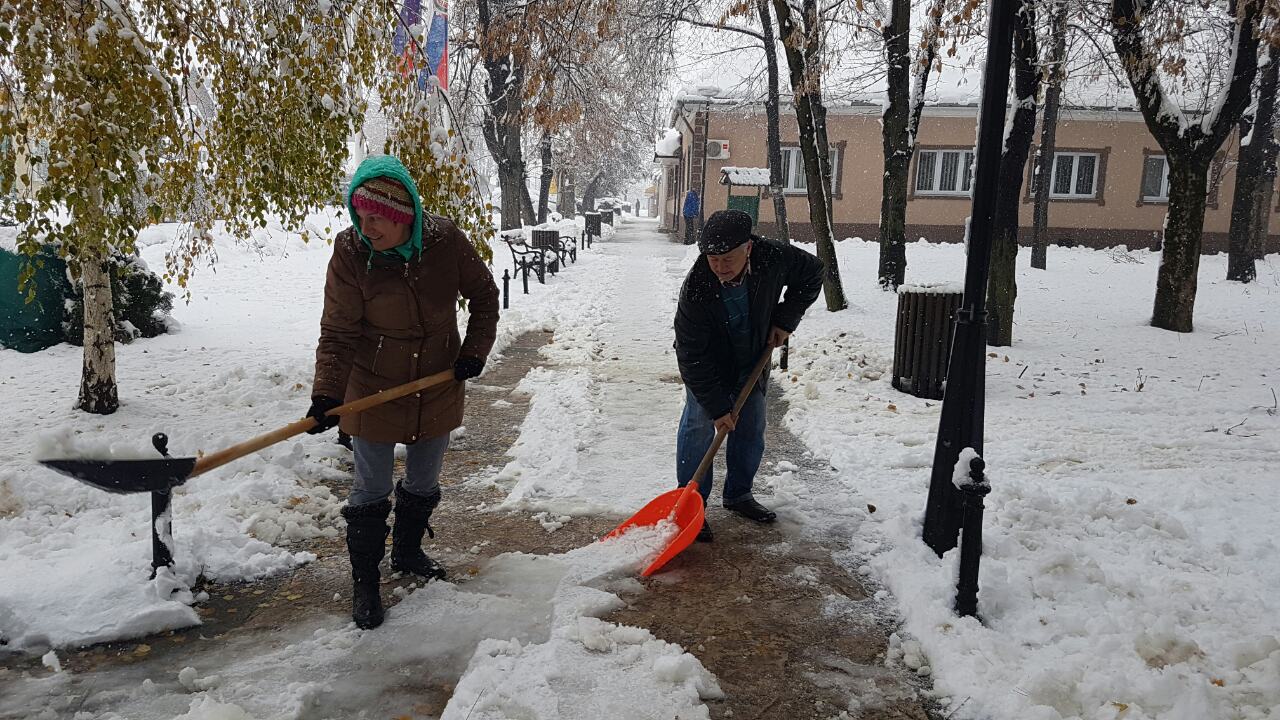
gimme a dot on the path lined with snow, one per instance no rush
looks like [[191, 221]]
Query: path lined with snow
[[521, 638], [600, 435]]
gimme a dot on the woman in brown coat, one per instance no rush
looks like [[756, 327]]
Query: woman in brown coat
[[390, 316]]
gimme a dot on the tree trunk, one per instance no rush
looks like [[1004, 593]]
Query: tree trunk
[[1255, 180], [589, 194], [1180, 262], [771, 104], [1002, 283], [895, 136], [1048, 139], [98, 393], [527, 212], [813, 61], [502, 131], [503, 126], [1189, 147], [567, 204], [804, 89], [544, 182]]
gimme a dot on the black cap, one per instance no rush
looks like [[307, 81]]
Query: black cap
[[724, 231]]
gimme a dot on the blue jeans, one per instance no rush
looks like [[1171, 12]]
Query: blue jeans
[[375, 461], [742, 458]]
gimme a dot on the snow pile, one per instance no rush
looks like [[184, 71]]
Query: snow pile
[[1128, 567], [599, 436], [745, 176], [940, 288], [84, 555], [559, 426], [669, 144], [520, 639]]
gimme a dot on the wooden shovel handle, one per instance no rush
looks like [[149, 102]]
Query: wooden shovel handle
[[743, 394], [235, 452]]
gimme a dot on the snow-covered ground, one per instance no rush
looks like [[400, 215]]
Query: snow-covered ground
[[1128, 572], [1128, 568]]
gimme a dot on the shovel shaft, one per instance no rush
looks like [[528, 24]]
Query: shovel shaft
[[235, 452]]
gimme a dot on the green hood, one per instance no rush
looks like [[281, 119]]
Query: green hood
[[388, 166]]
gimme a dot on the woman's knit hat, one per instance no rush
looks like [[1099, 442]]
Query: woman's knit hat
[[386, 197]]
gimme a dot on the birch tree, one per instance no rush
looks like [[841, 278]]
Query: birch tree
[[233, 110], [228, 112]]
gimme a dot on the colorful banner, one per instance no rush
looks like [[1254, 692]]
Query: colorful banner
[[435, 49]]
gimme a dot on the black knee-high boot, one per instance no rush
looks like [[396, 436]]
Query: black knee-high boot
[[413, 515], [366, 543]]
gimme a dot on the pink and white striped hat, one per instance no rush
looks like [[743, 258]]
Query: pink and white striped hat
[[386, 197]]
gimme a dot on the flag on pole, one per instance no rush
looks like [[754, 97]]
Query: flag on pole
[[433, 58]]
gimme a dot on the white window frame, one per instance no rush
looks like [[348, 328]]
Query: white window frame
[[1075, 170], [793, 178], [964, 172], [1164, 180]]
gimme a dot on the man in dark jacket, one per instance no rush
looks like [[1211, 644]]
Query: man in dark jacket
[[390, 317], [729, 312]]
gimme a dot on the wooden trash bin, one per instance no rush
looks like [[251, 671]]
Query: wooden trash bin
[[922, 340], [548, 241], [591, 230]]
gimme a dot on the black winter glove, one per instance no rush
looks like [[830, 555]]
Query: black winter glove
[[467, 367], [320, 407]]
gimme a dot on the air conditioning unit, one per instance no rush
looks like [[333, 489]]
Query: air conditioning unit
[[717, 149]]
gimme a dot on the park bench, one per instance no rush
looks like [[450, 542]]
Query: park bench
[[564, 247], [525, 258]]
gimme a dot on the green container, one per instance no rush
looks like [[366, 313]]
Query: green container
[[750, 204], [36, 325]]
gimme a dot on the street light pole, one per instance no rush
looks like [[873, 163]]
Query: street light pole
[[961, 423]]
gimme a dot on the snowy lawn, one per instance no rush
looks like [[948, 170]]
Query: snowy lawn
[[1130, 566]]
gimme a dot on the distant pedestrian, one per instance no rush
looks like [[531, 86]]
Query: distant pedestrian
[[691, 210], [731, 308]]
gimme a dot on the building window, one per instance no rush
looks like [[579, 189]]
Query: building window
[[793, 177], [944, 172], [1074, 175], [1155, 179]]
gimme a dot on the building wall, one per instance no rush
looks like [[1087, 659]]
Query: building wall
[[1115, 216]]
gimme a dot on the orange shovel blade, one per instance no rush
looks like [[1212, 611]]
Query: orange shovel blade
[[687, 516]]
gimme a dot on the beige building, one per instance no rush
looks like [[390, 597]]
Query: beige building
[[1109, 179]]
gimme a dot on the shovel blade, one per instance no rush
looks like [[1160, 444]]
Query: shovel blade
[[123, 477], [687, 514]]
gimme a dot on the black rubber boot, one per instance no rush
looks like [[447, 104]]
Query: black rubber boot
[[752, 510], [366, 543], [705, 534], [413, 515]]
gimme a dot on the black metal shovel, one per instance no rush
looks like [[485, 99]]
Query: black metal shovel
[[136, 476]]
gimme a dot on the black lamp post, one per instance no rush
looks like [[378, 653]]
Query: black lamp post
[[962, 407]]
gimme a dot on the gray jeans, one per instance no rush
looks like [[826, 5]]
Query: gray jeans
[[375, 461]]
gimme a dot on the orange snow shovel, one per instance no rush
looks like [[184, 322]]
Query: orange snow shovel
[[683, 506]]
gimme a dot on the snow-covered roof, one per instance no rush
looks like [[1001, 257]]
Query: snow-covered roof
[[744, 176], [669, 144]]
